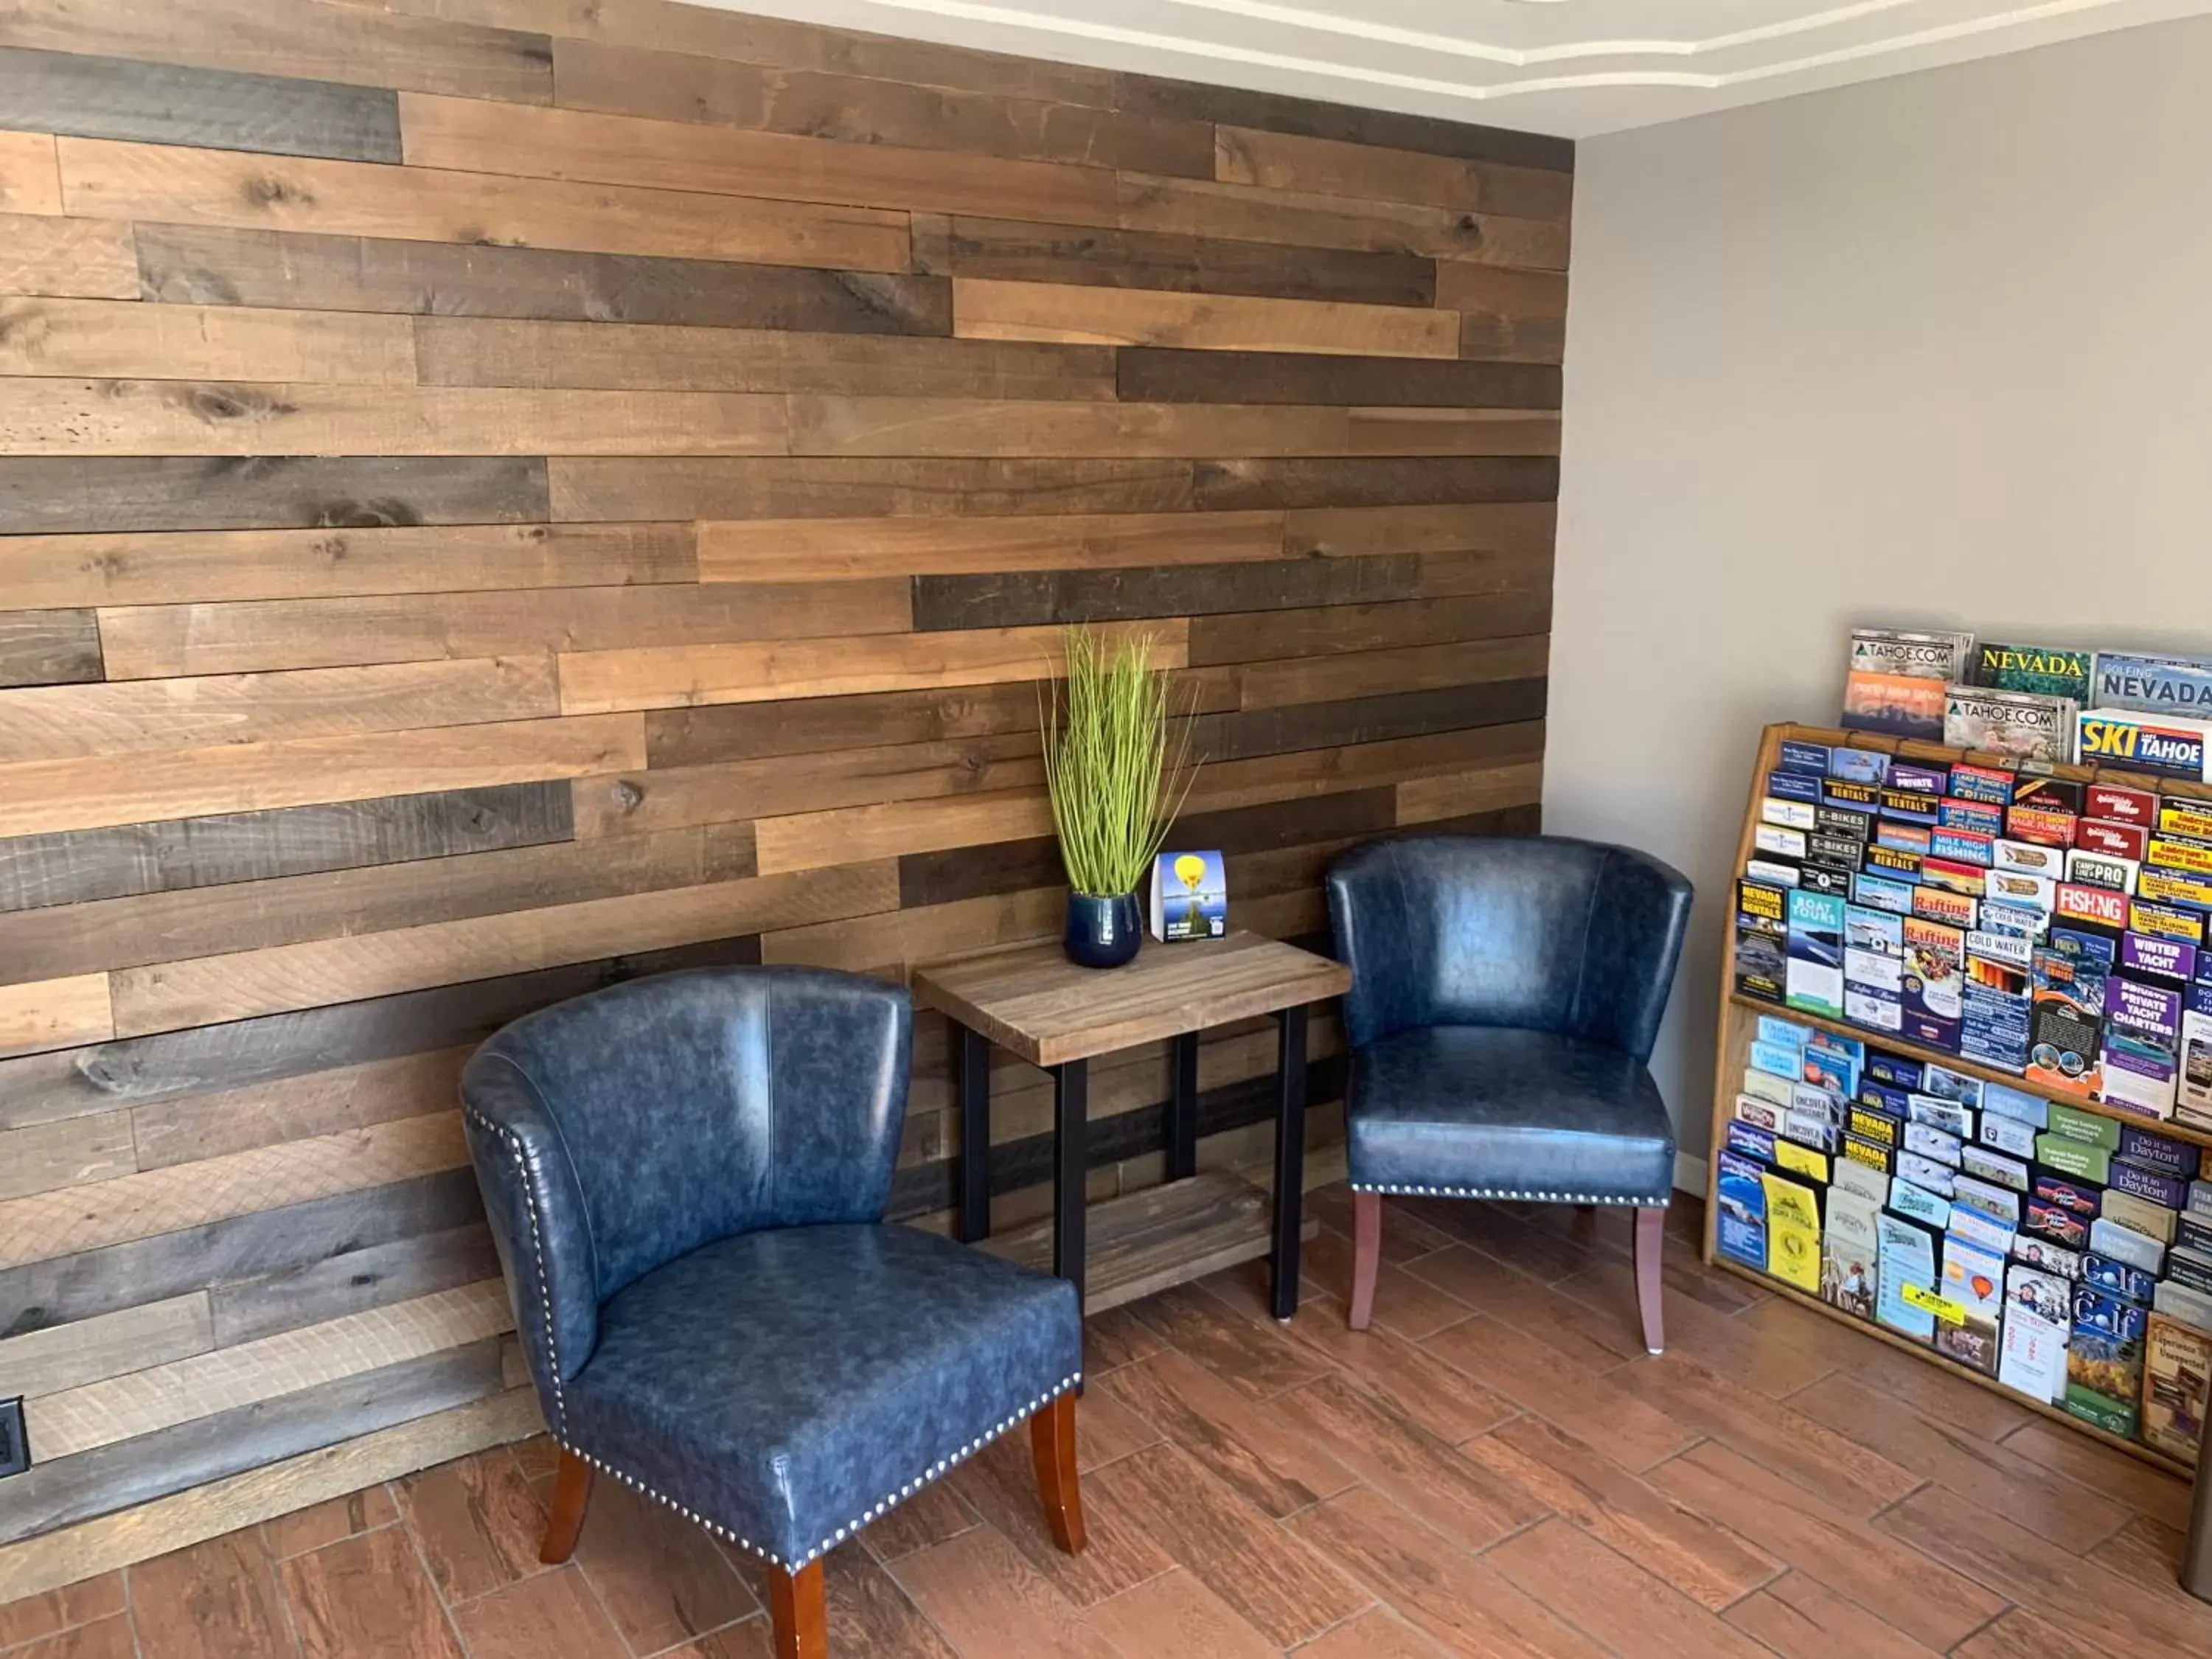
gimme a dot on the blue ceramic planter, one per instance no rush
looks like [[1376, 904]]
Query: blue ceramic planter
[[1103, 932]]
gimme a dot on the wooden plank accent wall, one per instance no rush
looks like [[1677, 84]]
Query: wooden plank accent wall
[[500, 496]]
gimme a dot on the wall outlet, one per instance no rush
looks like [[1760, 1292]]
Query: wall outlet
[[14, 1450]]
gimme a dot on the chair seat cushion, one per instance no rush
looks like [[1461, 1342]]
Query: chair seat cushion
[[789, 1385], [1492, 1111]]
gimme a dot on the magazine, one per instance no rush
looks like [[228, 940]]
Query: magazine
[[1897, 679], [2047, 670], [2021, 726]]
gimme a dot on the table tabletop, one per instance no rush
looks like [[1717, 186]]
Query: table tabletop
[[1035, 1004]]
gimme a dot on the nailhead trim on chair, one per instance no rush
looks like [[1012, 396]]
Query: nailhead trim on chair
[[1508, 1192], [525, 1168], [890, 1502]]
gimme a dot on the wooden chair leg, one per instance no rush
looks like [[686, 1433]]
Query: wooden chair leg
[[572, 1492], [1650, 1237], [1366, 1256], [1052, 1439], [801, 1617]]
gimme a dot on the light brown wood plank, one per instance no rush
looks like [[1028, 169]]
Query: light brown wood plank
[[197, 1127], [1409, 668], [189, 417], [687, 676], [809, 841], [892, 938], [654, 357], [1453, 432], [769, 551], [44, 723], [1424, 800], [49, 1225], [1240, 213], [142, 1401], [41, 1156], [1509, 316], [123, 340], [1613, 1598], [65, 1356], [1800, 1617], [169, 995], [951, 426], [1502, 527], [1175, 1612], [983, 309], [75, 257], [37, 797], [254, 636], [1329, 166], [30, 181], [1326, 630], [978, 1590], [470, 136], [105, 180], [55, 1014], [1602, 1412]]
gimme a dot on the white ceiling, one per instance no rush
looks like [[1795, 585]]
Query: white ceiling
[[1570, 67]]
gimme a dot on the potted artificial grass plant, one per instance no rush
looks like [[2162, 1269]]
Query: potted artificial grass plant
[[1117, 777]]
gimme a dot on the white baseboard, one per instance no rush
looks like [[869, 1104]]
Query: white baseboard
[[1689, 1174]]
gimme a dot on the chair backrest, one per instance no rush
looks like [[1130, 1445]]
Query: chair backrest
[[617, 1131], [1541, 933]]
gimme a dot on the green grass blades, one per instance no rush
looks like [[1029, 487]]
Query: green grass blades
[[1116, 776]]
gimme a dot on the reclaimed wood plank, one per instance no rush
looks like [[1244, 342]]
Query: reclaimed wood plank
[[80, 338], [83, 867], [769, 551], [62, 1357], [1033, 598], [30, 173], [104, 178], [55, 1014], [217, 266], [110, 1479], [470, 136], [651, 677], [256, 636], [636, 355], [158, 568], [401, 1271], [887, 829], [258, 1494], [894, 937], [1011, 428], [1196, 207], [1249, 733], [114, 1278], [44, 1157], [174, 494], [184, 1131], [97, 792], [136, 932], [77, 256], [249, 418], [1314, 118], [1489, 789], [984, 308], [1223, 485], [830, 487], [853, 109], [100, 97], [1103, 257], [1164, 375], [49, 648], [1406, 668], [1513, 315], [240, 984], [126, 716], [1617, 1602], [1523, 528], [1332, 167], [678, 738], [312, 42], [1365, 625]]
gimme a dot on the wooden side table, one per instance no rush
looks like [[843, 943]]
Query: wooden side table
[[1033, 1002]]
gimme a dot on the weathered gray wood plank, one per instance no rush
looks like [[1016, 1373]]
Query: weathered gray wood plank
[[76, 866], [358, 1280], [43, 494], [49, 648], [92, 97]]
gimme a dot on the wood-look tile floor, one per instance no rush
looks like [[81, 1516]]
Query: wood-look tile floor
[[1498, 1469]]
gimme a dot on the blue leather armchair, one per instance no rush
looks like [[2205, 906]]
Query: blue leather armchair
[[686, 1177], [1505, 994]]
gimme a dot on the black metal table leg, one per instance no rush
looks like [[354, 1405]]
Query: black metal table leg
[[1290, 1158], [973, 1062], [1183, 1107], [1071, 1097]]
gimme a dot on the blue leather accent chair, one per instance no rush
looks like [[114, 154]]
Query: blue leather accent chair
[[1505, 994], [686, 1177]]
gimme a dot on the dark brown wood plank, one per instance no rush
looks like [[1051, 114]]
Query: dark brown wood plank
[[1034, 597], [1311, 118], [199, 265], [597, 489], [1101, 256], [79, 866], [1254, 732], [94, 97], [128, 1472], [42, 493], [49, 648], [803, 726], [1333, 627], [1230, 485], [1163, 374]]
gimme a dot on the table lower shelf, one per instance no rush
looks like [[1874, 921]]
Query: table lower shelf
[[1164, 1235]]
